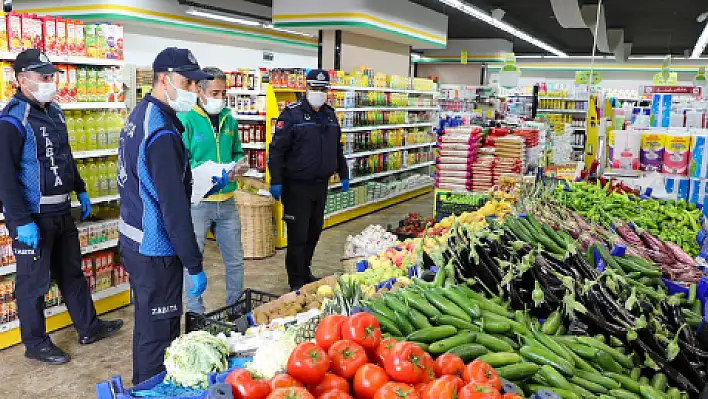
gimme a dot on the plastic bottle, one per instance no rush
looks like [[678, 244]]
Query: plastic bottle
[[113, 127], [81, 166], [93, 183], [71, 130], [104, 185], [80, 132], [101, 132], [112, 177], [90, 129]]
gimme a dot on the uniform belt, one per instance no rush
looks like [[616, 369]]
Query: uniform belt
[[129, 231], [54, 199]]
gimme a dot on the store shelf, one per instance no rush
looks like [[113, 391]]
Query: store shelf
[[58, 317], [384, 174], [92, 105], [390, 149], [253, 146], [287, 90], [369, 207], [384, 89], [95, 153], [98, 200], [69, 59], [388, 108], [247, 117], [383, 127], [563, 111], [244, 92], [9, 269], [564, 99], [254, 173]]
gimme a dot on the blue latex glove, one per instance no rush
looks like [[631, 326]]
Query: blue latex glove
[[28, 234], [219, 183], [701, 237], [199, 284], [276, 190], [85, 205], [345, 185]]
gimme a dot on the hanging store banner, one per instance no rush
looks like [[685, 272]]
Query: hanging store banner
[[583, 77]]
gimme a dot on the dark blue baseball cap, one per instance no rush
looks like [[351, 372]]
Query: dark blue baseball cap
[[318, 78], [180, 60]]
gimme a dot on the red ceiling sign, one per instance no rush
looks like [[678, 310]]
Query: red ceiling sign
[[689, 90]]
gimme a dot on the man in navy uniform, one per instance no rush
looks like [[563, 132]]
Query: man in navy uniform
[[155, 183], [37, 176], [306, 150]]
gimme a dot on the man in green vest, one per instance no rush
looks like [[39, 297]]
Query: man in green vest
[[211, 134]]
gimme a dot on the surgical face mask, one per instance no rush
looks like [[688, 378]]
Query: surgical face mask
[[316, 98], [46, 91], [185, 99], [213, 106]]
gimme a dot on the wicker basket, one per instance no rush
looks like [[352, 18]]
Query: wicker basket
[[256, 212]]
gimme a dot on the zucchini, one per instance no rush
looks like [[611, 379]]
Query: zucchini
[[468, 352], [460, 324], [493, 343], [444, 345], [554, 378], [626, 382], [622, 394], [589, 385], [500, 359], [418, 319], [542, 356], [445, 305], [432, 334], [517, 372]]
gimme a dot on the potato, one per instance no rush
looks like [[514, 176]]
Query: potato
[[314, 305], [261, 318]]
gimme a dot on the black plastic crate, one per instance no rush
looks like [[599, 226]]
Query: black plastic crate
[[228, 318], [444, 209]]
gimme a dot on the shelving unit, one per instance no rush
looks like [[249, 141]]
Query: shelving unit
[[95, 153], [92, 105], [385, 127], [350, 213], [391, 108], [69, 59], [562, 111], [384, 174], [253, 146], [245, 117], [385, 150]]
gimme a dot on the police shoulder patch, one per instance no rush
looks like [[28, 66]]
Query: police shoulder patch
[[280, 125], [295, 104]]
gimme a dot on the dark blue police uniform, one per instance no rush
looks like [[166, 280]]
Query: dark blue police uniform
[[156, 234], [37, 176], [305, 152]]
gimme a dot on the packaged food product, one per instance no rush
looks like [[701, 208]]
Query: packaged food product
[[61, 36], [119, 42], [70, 37], [90, 40], [49, 34]]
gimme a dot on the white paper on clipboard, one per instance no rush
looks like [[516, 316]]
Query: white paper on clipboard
[[202, 175]]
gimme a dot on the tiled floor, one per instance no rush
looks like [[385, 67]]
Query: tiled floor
[[21, 378]]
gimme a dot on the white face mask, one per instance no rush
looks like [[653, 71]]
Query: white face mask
[[213, 106], [185, 99], [316, 98], [46, 91]]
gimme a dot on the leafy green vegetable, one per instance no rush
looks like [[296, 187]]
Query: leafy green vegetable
[[191, 357]]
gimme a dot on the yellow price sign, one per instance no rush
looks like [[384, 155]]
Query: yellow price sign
[[463, 56]]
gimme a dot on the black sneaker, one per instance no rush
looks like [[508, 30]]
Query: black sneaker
[[52, 354], [312, 279], [105, 330]]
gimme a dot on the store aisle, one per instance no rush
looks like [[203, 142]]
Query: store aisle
[[22, 378]]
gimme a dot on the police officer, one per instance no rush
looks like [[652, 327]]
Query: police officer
[[306, 150], [37, 176], [156, 233]]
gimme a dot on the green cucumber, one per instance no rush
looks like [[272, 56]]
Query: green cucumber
[[584, 393], [599, 379], [418, 319], [460, 324], [422, 345], [554, 378], [542, 356], [469, 352], [439, 279], [403, 324], [673, 393], [484, 303], [606, 362], [644, 380], [432, 334], [395, 304], [493, 326], [619, 357], [471, 308], [622, 394], [517, 372], [379, 307], [553, 321], [659, 382], [553, 346], [387, 325], [563, 393], [589, 385], [418, 302], [584, 351], [445, 305], [444, 345], [581, 364], [626, 382], [493, 343], [648, 392], [500, 359]]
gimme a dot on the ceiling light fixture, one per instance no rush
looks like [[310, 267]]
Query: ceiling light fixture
[[288, 31], [484, 17], [221, 17], [700, 44]]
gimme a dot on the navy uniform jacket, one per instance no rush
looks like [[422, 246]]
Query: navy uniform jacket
[[306, 145], [155, 186], [37, 169]]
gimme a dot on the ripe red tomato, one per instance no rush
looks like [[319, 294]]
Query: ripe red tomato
[[479, 372], [308, 363], [478, 391], [440, 389], [459, 383], [284, 381], [396, 390], [329, 330], [335, 395], [368, 379], [330, 382], [290, 393], [346, 357], [449, 364], [362, 328], [384, 349], [511, 396], [419, 387], [428, 374], [244, 386], [405, 363]]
